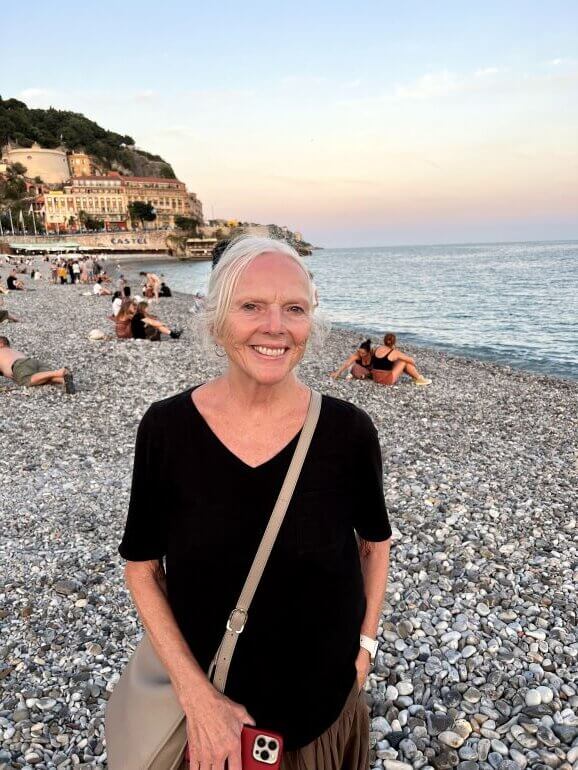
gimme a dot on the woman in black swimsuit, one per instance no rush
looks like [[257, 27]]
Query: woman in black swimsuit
[[388, 364], [360, 363]]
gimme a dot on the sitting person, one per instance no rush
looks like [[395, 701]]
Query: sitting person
[[165, 291], [13, 283], [359, 363], [122, 321], [388, 364], [116, 303], [99, 290], [29, 372], [145, 326]]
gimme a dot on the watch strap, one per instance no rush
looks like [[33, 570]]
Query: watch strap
[[369, 644]]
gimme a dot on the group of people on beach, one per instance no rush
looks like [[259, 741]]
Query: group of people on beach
[[133, 319], [383, 364], [132, 316], [77, 269]]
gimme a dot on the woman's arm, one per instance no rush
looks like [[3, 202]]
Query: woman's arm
[[374, 567], [214, 722], [399, 356], [345, 365], [146, 582]]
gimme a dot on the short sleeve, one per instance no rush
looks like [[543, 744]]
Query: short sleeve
[[145, 533], [371, 520]]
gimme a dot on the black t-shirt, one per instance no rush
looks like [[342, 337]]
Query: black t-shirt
[[202, 508], [138, 328]]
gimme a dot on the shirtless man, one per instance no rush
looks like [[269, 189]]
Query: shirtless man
[[153, 283], [29, 371]]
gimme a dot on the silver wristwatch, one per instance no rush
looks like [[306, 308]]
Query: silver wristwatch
[[370, 645]]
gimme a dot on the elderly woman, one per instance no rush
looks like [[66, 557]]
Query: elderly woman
[[209, 464]]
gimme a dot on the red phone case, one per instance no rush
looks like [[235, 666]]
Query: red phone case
[[260, 749]]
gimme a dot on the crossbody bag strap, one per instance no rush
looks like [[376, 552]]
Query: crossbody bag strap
[[238, 617]]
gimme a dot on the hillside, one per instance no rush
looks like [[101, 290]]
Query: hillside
[[52, 128]]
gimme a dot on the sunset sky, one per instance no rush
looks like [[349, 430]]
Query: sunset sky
[[367, 123]]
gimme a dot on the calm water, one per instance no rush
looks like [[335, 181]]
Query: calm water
[[512, 303]]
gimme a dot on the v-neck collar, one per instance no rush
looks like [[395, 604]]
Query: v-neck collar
[[226, 449]]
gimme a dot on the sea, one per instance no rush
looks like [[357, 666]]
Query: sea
[[509, 303]]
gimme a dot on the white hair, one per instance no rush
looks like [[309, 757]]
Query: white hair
[[225, 278]]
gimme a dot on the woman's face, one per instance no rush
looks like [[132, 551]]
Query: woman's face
[[269, 322]]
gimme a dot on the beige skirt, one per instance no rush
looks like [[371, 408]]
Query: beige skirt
[[343, 746]]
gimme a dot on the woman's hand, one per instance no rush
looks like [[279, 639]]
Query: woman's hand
[[335, 375], [214, 724], [363, 666]]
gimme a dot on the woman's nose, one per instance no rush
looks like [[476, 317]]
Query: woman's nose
[[274, 320]]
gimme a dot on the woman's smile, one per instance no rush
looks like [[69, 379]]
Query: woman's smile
[[269, 351]]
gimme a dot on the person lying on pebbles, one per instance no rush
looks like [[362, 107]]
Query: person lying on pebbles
[[29, 372], [388, 364], [358, 364]]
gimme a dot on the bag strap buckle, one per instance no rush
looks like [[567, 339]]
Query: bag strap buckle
[[233, 622]]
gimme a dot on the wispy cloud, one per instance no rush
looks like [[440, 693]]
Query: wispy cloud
[[145, 96], [37, 97], [303, 80], [444, 83]]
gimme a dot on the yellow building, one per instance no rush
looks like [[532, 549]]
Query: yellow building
[[80, 164], [106, 202], [109, 198], [168, 196]]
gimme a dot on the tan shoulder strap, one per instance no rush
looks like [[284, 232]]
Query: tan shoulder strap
[[238, 617]]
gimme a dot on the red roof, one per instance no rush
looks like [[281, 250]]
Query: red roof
[[116, 176], [151, 179]]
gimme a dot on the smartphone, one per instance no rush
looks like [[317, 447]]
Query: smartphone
[[260, 749]]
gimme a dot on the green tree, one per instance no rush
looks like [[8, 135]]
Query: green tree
[[14, 188], [17, 168], [52, 127], [142, 212], [94, 224], [190, 224]]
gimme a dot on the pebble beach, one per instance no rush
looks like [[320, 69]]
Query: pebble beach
[[478, 661]]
